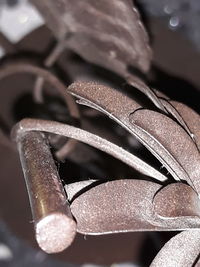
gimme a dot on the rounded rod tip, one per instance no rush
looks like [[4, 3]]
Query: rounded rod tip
[[54, 224], [55, 232]]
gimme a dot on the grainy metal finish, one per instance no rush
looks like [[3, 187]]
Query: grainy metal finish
[[192, 119], [127, 206], [51, 214], [174, 140], [110, 34], [124, 111], [76, 188], [131, 205], [175, 114], [141, 86], [176, 200], [96, 141], [181, 251]]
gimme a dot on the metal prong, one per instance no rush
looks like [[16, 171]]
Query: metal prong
[[54, 225]]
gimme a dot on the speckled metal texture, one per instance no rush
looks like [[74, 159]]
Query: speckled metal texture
[[124, 111], [116, 206], [110, 34], [129, 205], [27, 125], [51, 213], [176, 200], [132, 205], [181, 251], [192, 119], [174, 140]]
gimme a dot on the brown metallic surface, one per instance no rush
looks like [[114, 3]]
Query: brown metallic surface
[[176, 115], [192, 119], [190, 72], [181, 251], [175, 140], [49, 61], [96, 141], [119, 107], [127, 205], [176, 200], [51, 213], [116, 206], [137, 83]]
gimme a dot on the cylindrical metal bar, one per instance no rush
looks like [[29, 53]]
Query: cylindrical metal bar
[[54, 225]]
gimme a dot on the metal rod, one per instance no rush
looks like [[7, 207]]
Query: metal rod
[[54, 225]]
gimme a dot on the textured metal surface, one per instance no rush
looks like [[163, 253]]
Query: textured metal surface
[[90, 139], [174, 141], [191, 117], [150, 93], [116, 206], [176, 200], [119, 107], [176, 115], [131, 205], [109, 34], [51, 213], [127, 205], [181, 251], [75, 189]]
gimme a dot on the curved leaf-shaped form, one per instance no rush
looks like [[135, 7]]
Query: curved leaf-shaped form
[[176, 200], [180, 251], [124, 206], [115, 206], [107, 33], [118, 107], [191, 118], [141, 86], [175, 142], [176, 115]]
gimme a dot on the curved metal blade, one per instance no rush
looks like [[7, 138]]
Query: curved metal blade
[[173, 141], [173, 111], [116, 206], [176, 200], [90, 139], [180, 251], [191, 118], [118, 107], [124, 206]]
